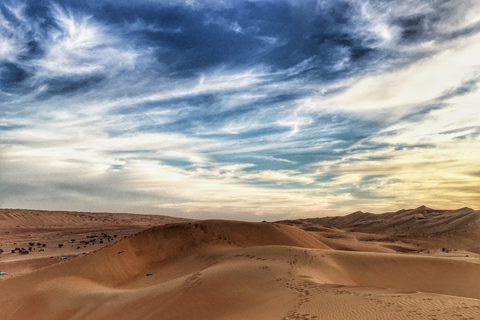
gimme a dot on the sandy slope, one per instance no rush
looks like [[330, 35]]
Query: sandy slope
[[46, 230], [239, 270], [20, 221], [414, 230], [422, 220]]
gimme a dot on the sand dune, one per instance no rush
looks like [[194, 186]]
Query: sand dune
[[422, 220], [238, 270], [413, 230], [41, 233], [38, 219]]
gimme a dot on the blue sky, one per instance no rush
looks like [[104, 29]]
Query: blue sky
[[246, 110]]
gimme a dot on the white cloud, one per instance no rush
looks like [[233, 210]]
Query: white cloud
[[83, 47], [374, 24], [8, 49], [74, 172], [442, 177], [399, 91], [279, 176], [140, 25], [271, 158], [13, 34], [378, 20], [462, 15], [430, 160]]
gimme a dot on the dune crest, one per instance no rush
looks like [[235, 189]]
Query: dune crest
[[422, 220]]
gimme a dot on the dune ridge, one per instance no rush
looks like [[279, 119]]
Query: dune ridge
[[23, 218], [422, 220], [413, 230], [41, 233]]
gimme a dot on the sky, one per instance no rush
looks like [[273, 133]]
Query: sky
[[247, 110]]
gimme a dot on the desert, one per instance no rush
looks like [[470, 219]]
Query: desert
[[239, 159], [411, 264]]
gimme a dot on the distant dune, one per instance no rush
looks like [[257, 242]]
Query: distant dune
[[40, 233], [38, 219], [401, 231], [422, 220], [218, 269]]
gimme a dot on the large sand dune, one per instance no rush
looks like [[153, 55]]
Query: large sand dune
[[238, 270], [415, 230], [422, 220]]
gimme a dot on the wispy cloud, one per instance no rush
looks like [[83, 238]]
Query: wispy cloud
[[420, 83], [80, 47], [14, 32]]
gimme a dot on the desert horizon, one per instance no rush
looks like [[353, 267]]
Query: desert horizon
[[410, 264]]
